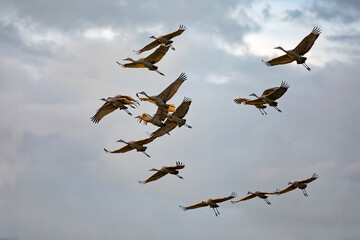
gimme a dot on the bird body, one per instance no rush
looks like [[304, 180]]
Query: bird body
[[113, 103], [259, 194], [174, 170], [211, 202], [164, 40], [175, 119], [297, 53], [138, 145], [156, 120], [147, 62], [298, 184], [161, 99], [258, 103]]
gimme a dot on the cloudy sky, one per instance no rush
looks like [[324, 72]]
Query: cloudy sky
[[58, 58]]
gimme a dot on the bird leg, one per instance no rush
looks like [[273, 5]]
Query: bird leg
[[172, 48], [218, 211], [179, 176], [306, 66], [260, 111], [145, 154], [215, 212], [267, 201], [277, 109], [186, 125], [159, 72], [304, 192], [128, 112]]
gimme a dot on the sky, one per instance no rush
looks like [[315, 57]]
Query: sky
[[58, 58]]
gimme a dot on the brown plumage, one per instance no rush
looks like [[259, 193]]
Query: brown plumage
[[256, 194], [138, 145], [157, 119], [161, 99], [147, 62], [163, 171], [165, 40], [297, 53], [113, 103], [175, 119], [298, 184], [258, 103], [270, 95], [211, 202]]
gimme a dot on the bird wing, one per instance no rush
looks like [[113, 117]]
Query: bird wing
[[314, 177], [277, 92], [219, 200], [267, 193], [144, 116], [163, 130], [126, 97], [181, 111], [250, 196], [121, 150], [181, 29], [157, 55], [179, 165], [279, 60], [132, 65], [288, 189], [160, 114], [200, 204], [249, 102], [149, 46], [104, 110], [156, 176], [305, 45], [145, 141], [169, 92]]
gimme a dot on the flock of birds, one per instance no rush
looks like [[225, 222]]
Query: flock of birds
[[167, 116]]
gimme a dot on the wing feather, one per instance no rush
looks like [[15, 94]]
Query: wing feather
[[181, 29], [121, 150], [305, 45], [277, 92], [219, 200], [169, 92], [164, 130], [160, 114], [149, 46], [179, 165], [309, 180], [250, 196], [198, 205], [157, 55], [283, 59], [182, 110], [288, 189], [155, 176], [145, 141], [104, 110]]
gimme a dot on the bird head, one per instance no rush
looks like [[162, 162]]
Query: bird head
[[249, 192], [104, 99], [153, 169], [153, 37], [290, 183], [137, 94], [127, 59], [120, 140], [253, 94], [280, 48]]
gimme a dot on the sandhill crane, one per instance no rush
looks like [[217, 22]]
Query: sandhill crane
[[272, 94], [258, 103], [297, 53], [164, 40], [138, 145], [175, 119], [298, 184], [163, 171], [147, 62], [156, 120], [211, 202], [161, 99], [113, 103], [256, 194]]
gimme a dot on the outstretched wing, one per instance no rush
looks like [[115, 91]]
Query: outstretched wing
[[314, 177], [145, 141], [179, 165], [181, 29], [104, 110], [249, 102], [277, 92], [250, 196], [284, 59], [155, 176], [181, 111], [160, 114], [198, 205], [305, 45], [121, 150], [164, 130], [157, 55], [285, 190], [169, 92], [126, 97], [219, 200], [149, 46], [131, 65]]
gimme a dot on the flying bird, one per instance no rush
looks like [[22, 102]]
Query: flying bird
[[270, 95], [113, 103], [164, 40], [161, 99], [298, 184], [175, 119], [211, 202], [297, 53], [138, 145], [256, 194], [258, 103], [147, 62], [163, 171], [157, 119]]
